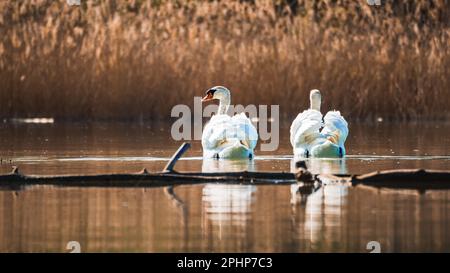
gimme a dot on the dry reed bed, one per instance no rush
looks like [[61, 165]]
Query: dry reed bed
[[137, 59]]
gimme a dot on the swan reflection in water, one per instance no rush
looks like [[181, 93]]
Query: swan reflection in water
[[218, 165], [227, 205], [299, 191], [323, 165], [324, 207]]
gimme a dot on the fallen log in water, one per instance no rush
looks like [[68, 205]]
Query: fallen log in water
[[168, 177], [145, 179], [398, 179], [410, 179], [405, 179]]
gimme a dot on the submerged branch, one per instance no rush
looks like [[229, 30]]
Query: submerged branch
[[173, 160]]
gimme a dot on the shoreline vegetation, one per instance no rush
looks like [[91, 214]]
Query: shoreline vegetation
[[136, 59]]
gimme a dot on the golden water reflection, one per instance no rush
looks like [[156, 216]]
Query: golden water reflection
[[223, 219], [227, 206]]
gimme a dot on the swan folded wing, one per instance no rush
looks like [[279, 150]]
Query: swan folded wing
[[241, 128], [223, 130], [305, 129], [214, 133], [335, 128], [302, 122]]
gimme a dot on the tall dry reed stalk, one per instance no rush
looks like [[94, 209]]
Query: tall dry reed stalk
[[136, 59]]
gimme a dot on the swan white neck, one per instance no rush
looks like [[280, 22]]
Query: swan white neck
[[224, 103], [315, 100]]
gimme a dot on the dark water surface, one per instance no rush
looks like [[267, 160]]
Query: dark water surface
[[218, 217]]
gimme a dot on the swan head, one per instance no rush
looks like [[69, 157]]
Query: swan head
[[217, 93], [315, 99]]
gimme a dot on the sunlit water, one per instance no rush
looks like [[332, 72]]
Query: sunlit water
[[218, 217]]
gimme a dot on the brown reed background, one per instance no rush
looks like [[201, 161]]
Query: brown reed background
[[135, 60]]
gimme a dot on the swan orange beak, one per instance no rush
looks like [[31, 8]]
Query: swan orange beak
[[208, 97]]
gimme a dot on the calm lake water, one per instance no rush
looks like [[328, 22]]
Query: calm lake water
[[218, 217]]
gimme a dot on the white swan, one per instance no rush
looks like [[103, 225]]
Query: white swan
[[225, 136], [312, 136]]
